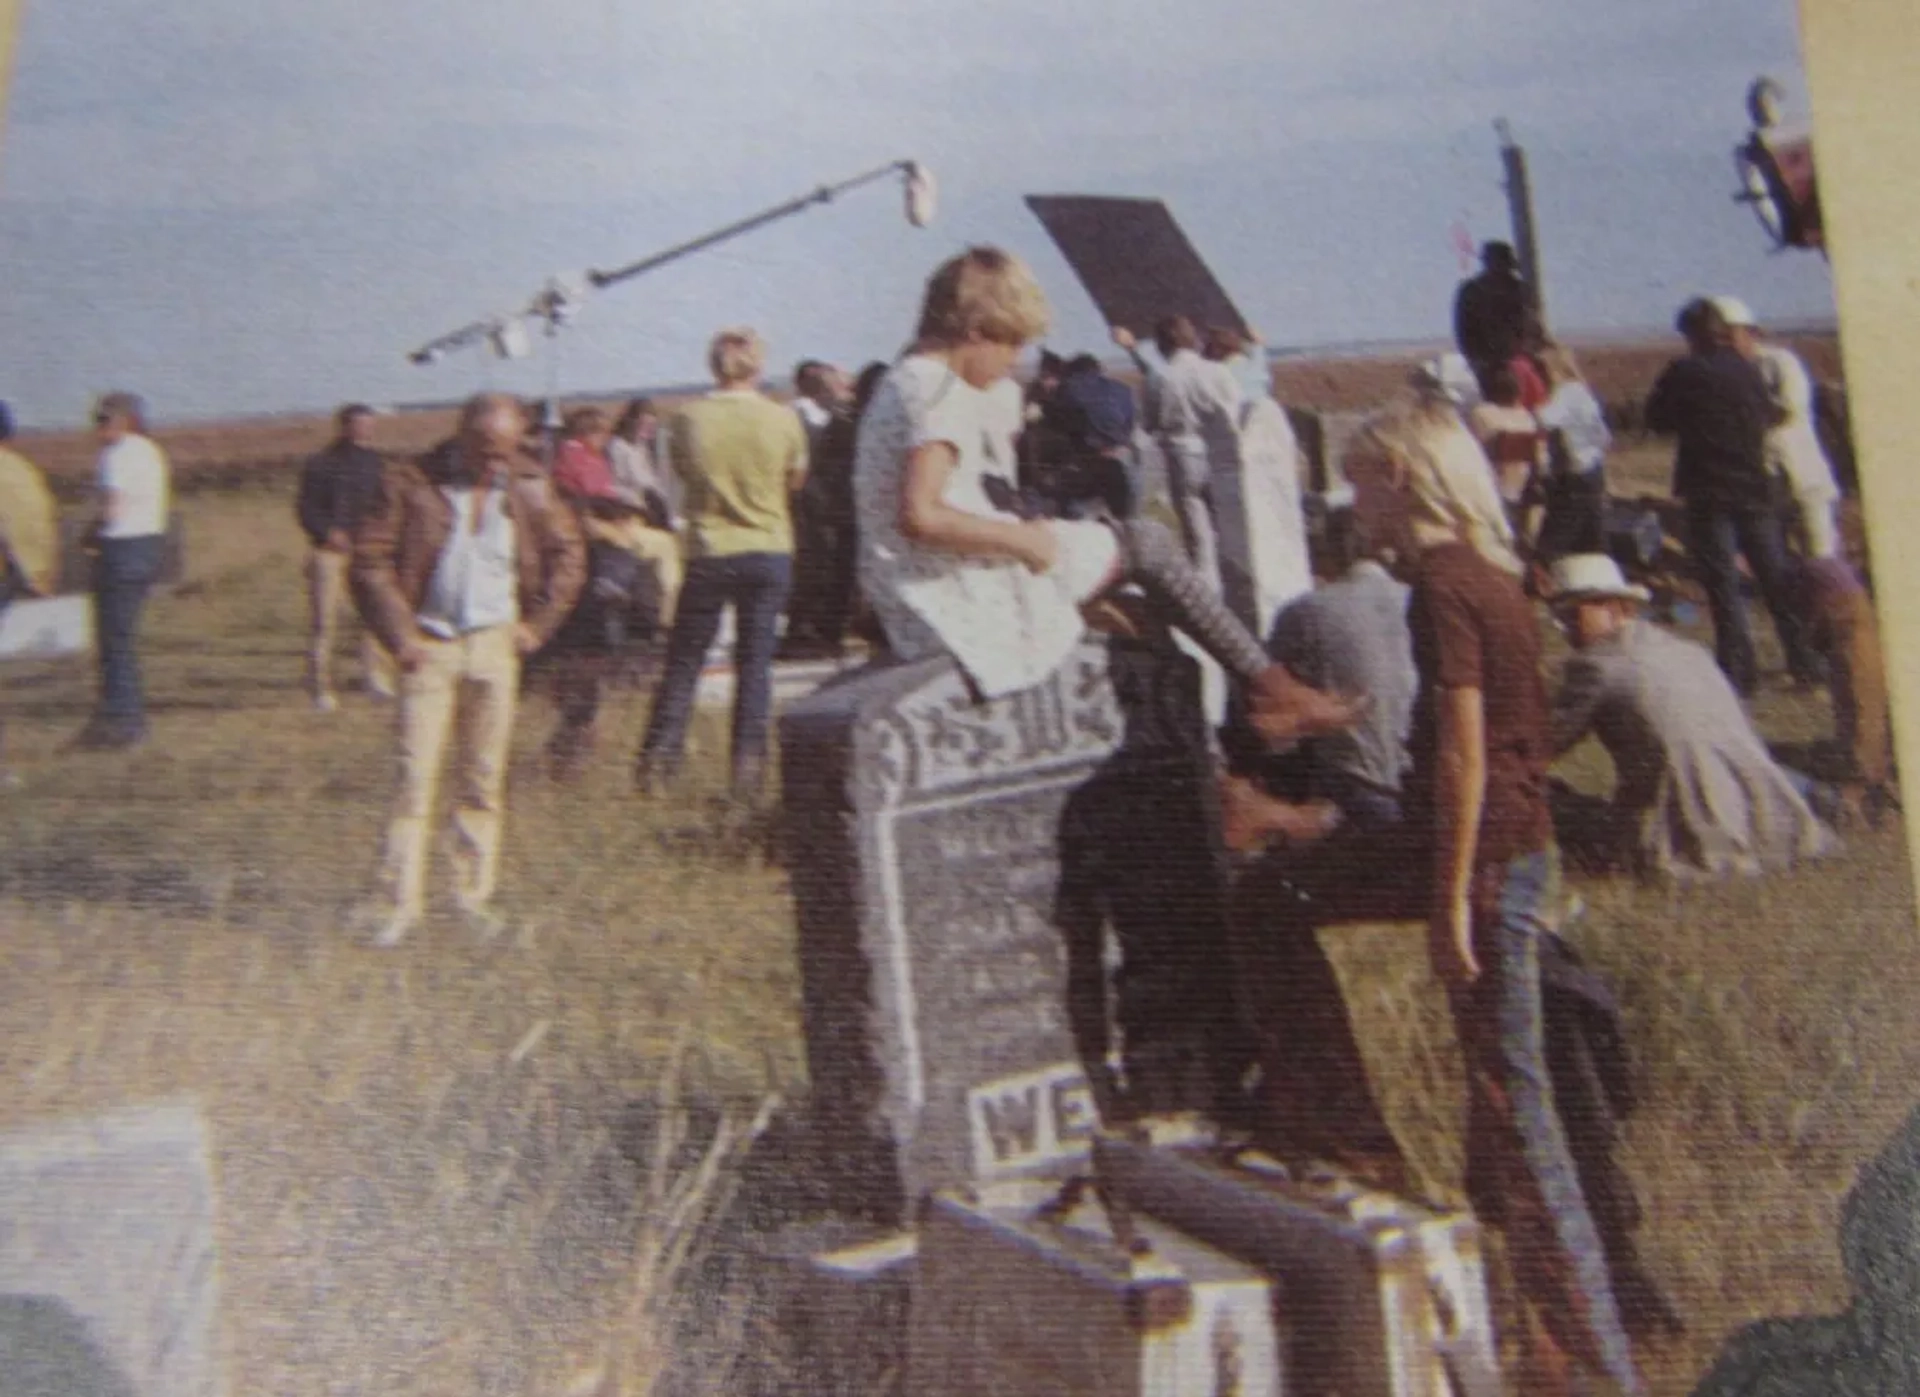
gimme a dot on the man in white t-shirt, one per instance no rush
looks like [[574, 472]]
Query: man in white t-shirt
[[129, 536]]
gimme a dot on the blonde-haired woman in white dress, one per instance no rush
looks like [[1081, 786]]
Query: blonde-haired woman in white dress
[[947, 571]]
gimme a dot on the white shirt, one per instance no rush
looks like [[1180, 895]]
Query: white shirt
[[1576, 414], [1187, 395], [636, 468], [474, 584], [812, 415], [135, 469], [1793, 447], [1008, 628]]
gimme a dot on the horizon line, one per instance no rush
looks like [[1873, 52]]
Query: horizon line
[[1386, 347]]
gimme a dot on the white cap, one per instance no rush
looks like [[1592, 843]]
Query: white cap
[[1735, 312], [1452, 375], [1580, 575]]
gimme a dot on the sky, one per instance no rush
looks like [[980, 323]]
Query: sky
[[251, 206]]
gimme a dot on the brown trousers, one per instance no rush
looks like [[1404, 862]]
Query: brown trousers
[[1845, 629]]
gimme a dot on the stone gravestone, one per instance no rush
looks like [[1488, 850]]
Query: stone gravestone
[[1011, 917], [43, 628], [107, 1256]]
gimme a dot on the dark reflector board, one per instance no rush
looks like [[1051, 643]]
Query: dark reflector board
[[1134, 260]]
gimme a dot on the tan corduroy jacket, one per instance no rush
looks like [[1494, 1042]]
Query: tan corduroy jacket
[[398, 543]]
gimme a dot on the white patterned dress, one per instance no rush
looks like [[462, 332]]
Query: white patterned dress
[[1008, 627]]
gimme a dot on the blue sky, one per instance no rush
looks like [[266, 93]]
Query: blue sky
[[256, 205]]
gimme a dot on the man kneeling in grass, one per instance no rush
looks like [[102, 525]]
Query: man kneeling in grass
[[1697, 793]]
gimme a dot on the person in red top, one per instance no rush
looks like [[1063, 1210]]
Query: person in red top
[[596, 631], [1474, 858], [1510, 434], [580, 467]]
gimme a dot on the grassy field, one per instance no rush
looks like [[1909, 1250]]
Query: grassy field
[[421, 1184]]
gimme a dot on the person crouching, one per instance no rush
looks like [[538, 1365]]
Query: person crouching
[[1697, 792]]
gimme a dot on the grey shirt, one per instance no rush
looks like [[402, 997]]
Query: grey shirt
[[1351, 636], [1696, 790]]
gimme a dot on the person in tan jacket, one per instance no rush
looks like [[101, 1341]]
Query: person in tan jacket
[[467, 564]]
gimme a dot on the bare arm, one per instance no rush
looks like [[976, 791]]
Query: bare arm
[[928, 520], [1459, 801]]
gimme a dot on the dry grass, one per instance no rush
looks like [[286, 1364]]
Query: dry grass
[[420, 1184], [405, 1207]]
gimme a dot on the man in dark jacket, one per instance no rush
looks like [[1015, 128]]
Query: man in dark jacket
[[1093, 416], [337, 488], [1496, 314], [1716, 405]]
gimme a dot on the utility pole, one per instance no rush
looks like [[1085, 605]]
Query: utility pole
[[1520, 209]]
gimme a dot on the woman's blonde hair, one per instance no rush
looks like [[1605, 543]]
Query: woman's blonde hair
[[987, 294], [1436, 462], [737, 355]]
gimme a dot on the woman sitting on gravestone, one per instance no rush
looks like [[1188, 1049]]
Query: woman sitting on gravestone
[[947, 570]]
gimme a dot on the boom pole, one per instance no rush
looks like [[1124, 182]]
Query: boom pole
[[824, 194]]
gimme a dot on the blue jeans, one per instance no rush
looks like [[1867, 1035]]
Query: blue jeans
[[1520, 1170], [1520, 1167], [1717, 535], [756, 586], [123, 573]]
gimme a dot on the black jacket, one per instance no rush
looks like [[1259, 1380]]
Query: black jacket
[[1717, 405], [1495, 316], [337, 487]]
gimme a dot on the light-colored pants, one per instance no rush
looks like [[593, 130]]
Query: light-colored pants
[[467, 686], [1817, 518], [660, 547], [326, 595], [1188, 473]]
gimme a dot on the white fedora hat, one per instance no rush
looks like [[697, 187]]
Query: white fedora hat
[[1580, 575]]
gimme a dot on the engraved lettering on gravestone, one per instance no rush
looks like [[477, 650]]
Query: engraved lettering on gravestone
[[1040, 717], [929, 867], [941, 737], [1032, 1119]]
